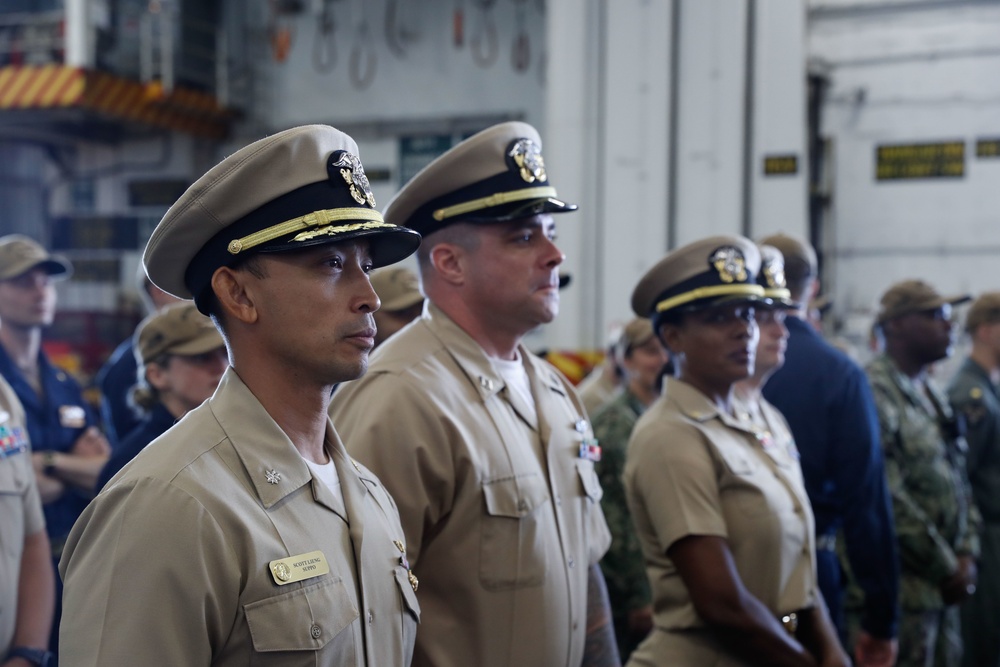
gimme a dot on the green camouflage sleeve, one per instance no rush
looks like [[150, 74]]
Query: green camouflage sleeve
[[922, 548], [623, 565]]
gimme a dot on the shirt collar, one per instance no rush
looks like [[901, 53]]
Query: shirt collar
[[272, 462]]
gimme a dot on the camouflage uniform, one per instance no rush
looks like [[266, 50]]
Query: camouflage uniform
[[974, 395], [932, 504], [623, 565]]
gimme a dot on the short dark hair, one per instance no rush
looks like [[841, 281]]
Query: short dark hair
[[209, 302]]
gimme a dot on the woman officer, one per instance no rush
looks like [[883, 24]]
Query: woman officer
[[726, 532]]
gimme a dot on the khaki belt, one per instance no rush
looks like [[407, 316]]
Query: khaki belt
[[790, 622], [826, 542]]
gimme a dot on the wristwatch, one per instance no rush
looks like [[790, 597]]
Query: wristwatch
[[49, 463], [36, 656]]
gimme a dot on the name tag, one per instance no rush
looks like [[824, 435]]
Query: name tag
[[72, 416], [298, 568]]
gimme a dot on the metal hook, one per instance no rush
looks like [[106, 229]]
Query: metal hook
[[485, 44], [324, 54], [362, 66]]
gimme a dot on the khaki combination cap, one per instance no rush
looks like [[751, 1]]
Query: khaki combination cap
[[298, 188], [984, 310], [799, 255], [635, 333], [493, 176], [913, 296], [701, 274], [398, 288], [772, 277], [179, 329], [19, 254]]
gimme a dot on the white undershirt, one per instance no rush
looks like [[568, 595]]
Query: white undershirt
[[327, 473], [516, 377]]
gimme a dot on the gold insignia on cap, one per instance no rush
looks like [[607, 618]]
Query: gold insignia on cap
[[774, 273], [354, 174], [308, 221], [976, 392], [527, 155], [730, 263], [339, 229], [496, 199]]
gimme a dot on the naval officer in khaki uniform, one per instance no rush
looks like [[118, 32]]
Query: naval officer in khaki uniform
[[245, 535], [719, 503], [485, 447], [27, 581]]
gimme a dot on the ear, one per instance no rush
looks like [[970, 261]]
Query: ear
[[815, 288], [449, 261], [670, 337], [235, 294], [156, 376]]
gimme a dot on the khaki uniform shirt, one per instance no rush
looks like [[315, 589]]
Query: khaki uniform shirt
[[20, 507], [172, 563], [691, 470], [501, 514]]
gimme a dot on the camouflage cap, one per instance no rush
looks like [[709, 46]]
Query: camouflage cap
[[635, 333], [912, 296], [178, 329], [19, 254], [984, 310], [398, 288]]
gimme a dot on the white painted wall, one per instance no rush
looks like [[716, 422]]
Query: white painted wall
[[603, 99], [434, 81], [610, 124], [908, 73]]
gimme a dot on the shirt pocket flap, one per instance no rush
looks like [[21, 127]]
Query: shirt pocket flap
[[515, 496], [409, 595], [305, 619], [588, 478], [737, 459]]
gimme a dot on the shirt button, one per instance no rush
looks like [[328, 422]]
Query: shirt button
[[522, 506], [371, 618], [575, 625], [571, 562], [315, 631], [558, 501]]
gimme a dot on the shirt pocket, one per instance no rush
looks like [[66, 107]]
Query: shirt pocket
[[589, 481], [411, 609], [12, 508], [291, 628], [512, 544]]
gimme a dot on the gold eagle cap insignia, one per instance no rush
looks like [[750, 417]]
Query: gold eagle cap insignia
[[774, 273], [730, 263], [527, 156], [353, 174]]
